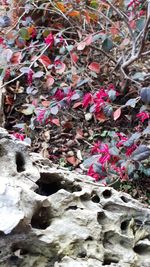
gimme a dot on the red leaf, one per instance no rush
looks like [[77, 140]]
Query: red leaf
[[101, 117], [78, 104], [16, 58], [56, 122], [117, 114], [94, 66], [74, 57], [45, 60], [73, 161], [49, 81], [46, 103], [89, 39]]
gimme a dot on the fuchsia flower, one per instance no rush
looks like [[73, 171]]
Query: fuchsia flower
[[30, 77], [134, 3], [96, 148], [87, 99], [69, 95], [99, 99], [59, 95], [130, 149], [122, 140], [105, 154], [19, 136], [41, 114], [1, 40], [143, 116], [92, 173], [49, 40], [122, 172]]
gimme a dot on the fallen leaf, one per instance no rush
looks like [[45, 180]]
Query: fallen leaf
[[16, 58], [117, 114], [46, 103], [101, 117], [81, 46], [74, 57], [74, 13], [78, 104], [50, 81], [73, 161], [94, 66], [56, 122], [45, 60], [61, 7]]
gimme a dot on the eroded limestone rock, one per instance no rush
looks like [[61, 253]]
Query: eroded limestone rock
[[52, 217]]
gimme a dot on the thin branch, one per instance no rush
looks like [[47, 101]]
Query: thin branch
[[122, 16], [106, 54], [21, 74]]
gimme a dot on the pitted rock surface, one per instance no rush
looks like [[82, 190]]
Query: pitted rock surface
[[53, 217]]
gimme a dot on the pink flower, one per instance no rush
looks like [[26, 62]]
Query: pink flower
[[69, 95], [104, 149], [104, 159], [122, 172], [59, 95], [41, 114], [1, 40], [99, 99], [18, 136], [87, 99], [30, 77], [49, 40], [92, 173], [133, 3], [130, 150], [143, 116], [100, 95], [111, 87], [96, 148], [122, 140]]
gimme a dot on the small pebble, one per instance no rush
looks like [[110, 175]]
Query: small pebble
[[88, 116]]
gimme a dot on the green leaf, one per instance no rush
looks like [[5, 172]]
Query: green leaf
[[94, 4], [28, 109], [140, 24], [24, 34], [107, 45]]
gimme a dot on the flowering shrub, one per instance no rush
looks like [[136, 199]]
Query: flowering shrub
[[74, 75]]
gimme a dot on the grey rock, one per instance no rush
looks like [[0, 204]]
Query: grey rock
[[50, 216]]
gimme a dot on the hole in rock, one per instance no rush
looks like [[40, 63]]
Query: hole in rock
[[51, 183], [72, 207], [101, 217], [85, 197], [142, 249], [82, 254], [22, 251], [41, 218], [20, 162], [2, 151], [89, 238], [14, 261], [124, 225], [109, 261], [124, 199], [95, 198], [107, 193]]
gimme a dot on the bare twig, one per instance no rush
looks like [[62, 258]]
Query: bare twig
[[103, 52]]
